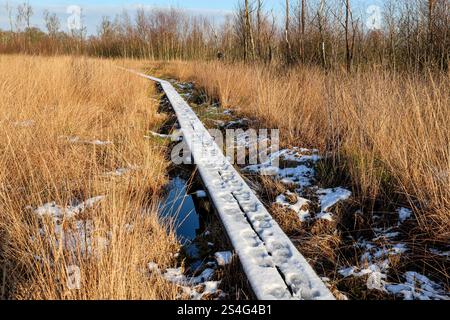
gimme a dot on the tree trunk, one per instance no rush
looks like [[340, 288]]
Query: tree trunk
[[348, 52], [430, 30], [258, 36], [303, 28], [320, 15], [286, 31], [249, 42]]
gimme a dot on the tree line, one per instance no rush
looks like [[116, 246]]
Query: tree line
[[402, 35]]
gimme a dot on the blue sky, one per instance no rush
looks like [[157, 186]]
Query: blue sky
[[94, 10]]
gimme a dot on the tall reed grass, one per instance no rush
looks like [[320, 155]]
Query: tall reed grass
[[387, 132], [67, 125]]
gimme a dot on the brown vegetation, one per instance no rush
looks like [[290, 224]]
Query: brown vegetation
[[403, 35], [46, 103], [386, 133]]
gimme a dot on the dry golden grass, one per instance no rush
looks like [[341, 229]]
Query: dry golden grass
[[44, 101], [388, 133]]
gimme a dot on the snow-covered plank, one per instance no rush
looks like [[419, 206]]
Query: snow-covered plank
[[274, 267]]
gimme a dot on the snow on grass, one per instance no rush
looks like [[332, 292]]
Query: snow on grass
[[418, 287], [79, 235], [175, 137], [236, 123], [98, 142], [415, 287], [121, 171], [298, 207], [59, 212], [376, 258], [187, 95], [440, 253], [385, 234], [25, 123], [185, 86], [300, 176], [360, 272], [329, 198], [78, 140], [376, 253], [201, 194], [209, 288], [247, 139], [195, 287], [223, 258], [300, 173], [404, 215]]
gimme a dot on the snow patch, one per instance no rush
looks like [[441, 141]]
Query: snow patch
[[300, 173], [197, 288], [121, 171], [404, 215], [298, 207], [236, 123], [329, 198], [59, 212], [78, 140], [175, 137], [78, 236], [440, 253], [24, 124], [418, 287], [224, 258], [201, 194]]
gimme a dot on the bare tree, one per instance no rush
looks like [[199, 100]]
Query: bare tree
[[249, 42], [389, 14], [9, 11], [288, 49], [303, 29], [24, 14], [52, 23], [106, 28], [431, 4], [349, 44], [321, 23], [259, 26]]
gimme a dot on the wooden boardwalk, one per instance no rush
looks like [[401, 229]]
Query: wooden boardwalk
[[273, 266]]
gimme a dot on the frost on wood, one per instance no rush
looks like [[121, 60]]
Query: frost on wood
[[273, 265]]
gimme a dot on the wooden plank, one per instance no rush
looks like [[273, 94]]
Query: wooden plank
[[274, 267]]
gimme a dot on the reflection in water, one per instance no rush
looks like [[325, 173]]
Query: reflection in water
[[181, 207]]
